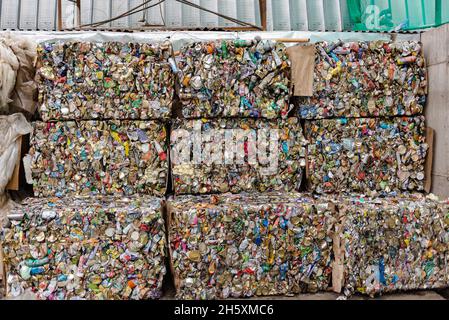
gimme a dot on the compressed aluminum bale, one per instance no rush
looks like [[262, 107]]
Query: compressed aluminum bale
[[99, 157], [86, 248], [250, 244], [234, 78], [111, 80], [235, 155], [394, 244], [367, 79], [366, 155]]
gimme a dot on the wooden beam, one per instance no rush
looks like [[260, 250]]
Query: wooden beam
[[263, 14], [59, 15], [294, 40], [239, 29]]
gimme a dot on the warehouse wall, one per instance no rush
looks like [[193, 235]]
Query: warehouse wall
[[436, 49], [282, 15]]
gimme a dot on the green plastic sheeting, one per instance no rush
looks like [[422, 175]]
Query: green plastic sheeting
[[395, 15]]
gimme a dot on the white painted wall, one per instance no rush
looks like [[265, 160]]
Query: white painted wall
[[28, 16], [155, 15], [315, 14], [281, 15], [332, 15]]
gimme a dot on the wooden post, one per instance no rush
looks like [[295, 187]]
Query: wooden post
[[263, 13], [78, 13], [59, 15]]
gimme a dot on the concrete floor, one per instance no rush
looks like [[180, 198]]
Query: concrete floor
[[169, 294], [424, 295]]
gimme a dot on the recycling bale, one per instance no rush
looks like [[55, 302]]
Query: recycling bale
[[394, 244], [92, 248], [235, 155], [247, 245], [99, 158], [374, 156], [234, 78], [111, 80], [367, 79]]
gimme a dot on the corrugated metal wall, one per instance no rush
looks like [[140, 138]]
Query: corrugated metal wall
[[301, 15], [282, 15]]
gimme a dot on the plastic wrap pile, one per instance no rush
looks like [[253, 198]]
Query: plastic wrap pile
[[17, 72]]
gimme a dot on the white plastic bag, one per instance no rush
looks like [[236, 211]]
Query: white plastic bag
[[24, 91], [11, 128], [9, 65]]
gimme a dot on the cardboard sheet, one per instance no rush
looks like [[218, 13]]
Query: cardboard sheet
[[2, 271], [429, 160], [303, 64], [14, 182]]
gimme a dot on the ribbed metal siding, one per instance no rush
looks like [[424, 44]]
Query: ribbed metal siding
[[301, 15]]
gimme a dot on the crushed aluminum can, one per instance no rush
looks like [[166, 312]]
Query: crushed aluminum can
[[234, 78], [99, 158], [394, 243], [249, 245], [235, 155], [366, 155], [110, 80], [367, 79], [90, 248]]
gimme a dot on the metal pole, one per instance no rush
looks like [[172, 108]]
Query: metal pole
[[263, 13], [18, 15], [37, 14]]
